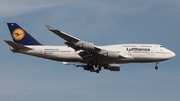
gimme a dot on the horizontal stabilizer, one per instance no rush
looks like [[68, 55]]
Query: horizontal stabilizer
[[68, 63], [17, 46], [65, 63]]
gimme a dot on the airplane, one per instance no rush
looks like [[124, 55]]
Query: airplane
[[86, 54]]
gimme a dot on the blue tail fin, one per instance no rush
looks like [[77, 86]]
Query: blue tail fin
[[20, 36]]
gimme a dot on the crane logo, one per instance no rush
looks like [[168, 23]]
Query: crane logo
[[18, 34]]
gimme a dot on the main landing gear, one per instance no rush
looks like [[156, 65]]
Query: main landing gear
[[93, 67], [156, 67], [96, 67]]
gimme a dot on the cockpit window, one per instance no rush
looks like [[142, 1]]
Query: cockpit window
[[161, 46]]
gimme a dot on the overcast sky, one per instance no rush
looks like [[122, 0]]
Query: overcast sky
[[27, 78]]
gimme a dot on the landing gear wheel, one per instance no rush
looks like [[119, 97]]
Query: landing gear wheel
[[97, 71], [156, 67]]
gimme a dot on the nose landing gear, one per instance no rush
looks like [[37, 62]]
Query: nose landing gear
[[156, 67]]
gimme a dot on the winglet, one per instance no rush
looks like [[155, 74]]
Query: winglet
[[49, 27], [17, 46]]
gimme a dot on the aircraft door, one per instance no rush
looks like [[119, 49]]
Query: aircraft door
[[41, 51], [151, 51]]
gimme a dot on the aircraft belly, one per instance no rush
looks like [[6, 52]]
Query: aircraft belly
[[75, 57], [135, 60], [111, 60], [66, 56], [147, 59]]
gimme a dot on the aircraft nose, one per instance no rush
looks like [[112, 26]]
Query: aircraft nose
[[170, 54], [173, 54]]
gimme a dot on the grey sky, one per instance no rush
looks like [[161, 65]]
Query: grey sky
[[26, 78]]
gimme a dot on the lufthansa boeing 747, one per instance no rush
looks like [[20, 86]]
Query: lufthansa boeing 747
[[85, 54]]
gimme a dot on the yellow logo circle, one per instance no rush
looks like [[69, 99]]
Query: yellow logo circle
[[18, 34]]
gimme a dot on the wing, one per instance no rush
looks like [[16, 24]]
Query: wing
[[90, 51], [74, 42]]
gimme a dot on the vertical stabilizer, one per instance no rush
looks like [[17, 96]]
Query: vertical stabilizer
[[20, 36]]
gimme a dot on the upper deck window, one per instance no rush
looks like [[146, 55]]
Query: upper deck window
[[161, 46], [145, 46]]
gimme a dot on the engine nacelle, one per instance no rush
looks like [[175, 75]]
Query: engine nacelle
[[110, 54], [113, 67], [85, 45]]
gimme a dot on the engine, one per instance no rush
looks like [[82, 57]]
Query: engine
[[113, 67], [110, 54], [85, 45]]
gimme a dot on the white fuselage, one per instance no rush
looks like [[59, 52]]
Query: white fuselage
[[137, 53]]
